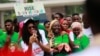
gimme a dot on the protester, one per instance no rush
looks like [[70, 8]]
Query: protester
[[86, 30], [69, 20], [65, 29], [9, 34], [57, 16], [10, 31], [9, 42], [40, 43], [64, 26], [13, 49], [76, 17], [58, 42], [81, 41], [47, 25]]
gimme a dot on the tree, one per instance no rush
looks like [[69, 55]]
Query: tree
[[74, 9], [29, 1]]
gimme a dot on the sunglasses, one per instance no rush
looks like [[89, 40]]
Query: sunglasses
[[56, 17], [31, 27]]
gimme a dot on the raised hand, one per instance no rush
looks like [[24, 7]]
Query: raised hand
[[33, 38]]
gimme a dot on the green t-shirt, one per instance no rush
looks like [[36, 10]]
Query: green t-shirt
[[58, 40], [82, 42], [40, 26], [14, 38], [1, 32], [2, 35]]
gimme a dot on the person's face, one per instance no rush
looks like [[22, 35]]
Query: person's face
[[31, 28], [69, 20], [47, 26], [56, 16], [65, 25], [56, 27], [85, 21], [8, 26], [76, 31], [76, 18]]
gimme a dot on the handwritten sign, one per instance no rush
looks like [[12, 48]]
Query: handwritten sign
[[30, 10]]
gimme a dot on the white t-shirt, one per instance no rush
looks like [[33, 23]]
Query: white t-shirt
[[36, 49], [88, 32], [71, 35]]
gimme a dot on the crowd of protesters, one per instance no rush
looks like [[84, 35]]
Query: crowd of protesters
[[59, 37]]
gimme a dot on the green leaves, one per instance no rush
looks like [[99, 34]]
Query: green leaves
[[29, 1], [74, 9]]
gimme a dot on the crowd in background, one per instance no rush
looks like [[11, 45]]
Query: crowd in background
[[59, 37]]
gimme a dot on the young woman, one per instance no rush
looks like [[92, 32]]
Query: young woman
[[40, 43], [81, 41], [64, 28], [69, 20], [58, 42], [47, 25]]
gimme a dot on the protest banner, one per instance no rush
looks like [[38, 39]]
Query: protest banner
[[35, 11]]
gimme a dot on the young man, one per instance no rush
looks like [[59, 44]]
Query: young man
[[76, 17], [87, 29], [9, 36]]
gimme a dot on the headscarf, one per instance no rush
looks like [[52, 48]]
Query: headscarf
[[76, 24], [79, 25]]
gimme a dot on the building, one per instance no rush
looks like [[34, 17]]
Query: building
[[51, 6]]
